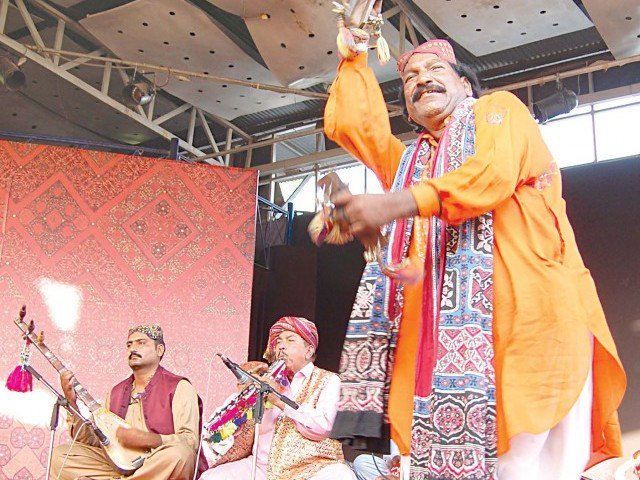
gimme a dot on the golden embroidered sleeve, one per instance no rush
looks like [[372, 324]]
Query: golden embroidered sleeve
[[505, 131], [356, 118]]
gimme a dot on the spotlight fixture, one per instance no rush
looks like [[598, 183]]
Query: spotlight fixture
[[138, 93], [10, 74], [561, 102]]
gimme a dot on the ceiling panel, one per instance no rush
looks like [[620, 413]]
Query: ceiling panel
[[303, 52], [618, 23], [24, 115], [241, 8], [177, 34], [67, 3], [15, 21], [484, 27]]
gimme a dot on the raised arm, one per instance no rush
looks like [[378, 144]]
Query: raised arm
[[356, 118]]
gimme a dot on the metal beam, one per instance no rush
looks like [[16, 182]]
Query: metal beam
[[192, 126], [186, 73], [151, 107], [343, 162], [79, 61], [309, 162], [71, 24], [595, 67], [248, 157], [227, 147], [22, 50], [297, 190], [176, 111], [402, 33], [416, 17], [391, 12], [209, 134], [57, 41], [292, 148], [412, 33], [106, 79], [28, 21], [270, 141], [227, 124], [4, 11]]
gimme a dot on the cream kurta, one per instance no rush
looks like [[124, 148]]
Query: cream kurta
[[174, 459]]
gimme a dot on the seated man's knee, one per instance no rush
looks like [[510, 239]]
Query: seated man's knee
[[177, 455], [58, 456]]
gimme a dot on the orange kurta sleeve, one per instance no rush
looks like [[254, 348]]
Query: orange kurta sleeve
[[356, 118], [504, 130]]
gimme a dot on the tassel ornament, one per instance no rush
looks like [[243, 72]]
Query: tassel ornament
[[382, 49], [21, 380]]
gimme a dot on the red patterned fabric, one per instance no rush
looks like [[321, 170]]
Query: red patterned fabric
[[146, 241]]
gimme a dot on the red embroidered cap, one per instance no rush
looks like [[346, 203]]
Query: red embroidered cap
[[439, 47]]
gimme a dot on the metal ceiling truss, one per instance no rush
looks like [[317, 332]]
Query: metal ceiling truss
[[221, 151], [323, 161], [55, 64]]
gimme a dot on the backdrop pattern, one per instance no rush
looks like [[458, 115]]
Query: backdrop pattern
[[141, 240]]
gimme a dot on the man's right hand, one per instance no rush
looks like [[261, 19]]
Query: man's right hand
[[66, 382]]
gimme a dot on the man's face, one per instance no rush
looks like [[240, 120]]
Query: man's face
[[295, 352], [432, 90], [142, 351]]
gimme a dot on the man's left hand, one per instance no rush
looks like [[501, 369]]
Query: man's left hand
[[368, 212], [138, 439], [275, 401]]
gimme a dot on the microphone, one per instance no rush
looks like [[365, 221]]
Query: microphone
[[235, 369]]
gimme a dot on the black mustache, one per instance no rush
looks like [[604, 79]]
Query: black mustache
[[423, 88], [134, 355]]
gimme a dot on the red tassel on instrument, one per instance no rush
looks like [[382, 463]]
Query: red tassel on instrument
[[20, 380]]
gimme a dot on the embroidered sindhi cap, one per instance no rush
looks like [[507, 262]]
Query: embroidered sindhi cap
[[440, 48], [154, 332]]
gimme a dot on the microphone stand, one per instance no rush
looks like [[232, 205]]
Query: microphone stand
[[264, 389], [61, 401]]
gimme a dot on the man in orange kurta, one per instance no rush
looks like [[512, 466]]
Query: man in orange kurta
[[549, 331]]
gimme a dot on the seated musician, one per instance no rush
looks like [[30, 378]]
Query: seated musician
[[294, 444], [163, 410]]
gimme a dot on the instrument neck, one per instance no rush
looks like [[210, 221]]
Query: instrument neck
[[81, 392]]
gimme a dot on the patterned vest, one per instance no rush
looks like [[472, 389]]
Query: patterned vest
[[294, 457]]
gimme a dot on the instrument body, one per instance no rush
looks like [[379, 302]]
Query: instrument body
[[228, 433], [124, 460]]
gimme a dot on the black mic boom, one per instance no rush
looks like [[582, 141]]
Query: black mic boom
[[235, 369]]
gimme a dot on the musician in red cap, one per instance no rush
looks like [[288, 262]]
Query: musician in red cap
[[294, 444], [496, 360]]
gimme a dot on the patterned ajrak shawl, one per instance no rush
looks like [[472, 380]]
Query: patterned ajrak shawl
[[454, 425]]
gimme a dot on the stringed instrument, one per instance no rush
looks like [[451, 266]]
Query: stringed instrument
[[122, 459]]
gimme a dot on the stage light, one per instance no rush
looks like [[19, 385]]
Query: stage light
[[10, 74], [561, 102], [265, 16], [138, 93]]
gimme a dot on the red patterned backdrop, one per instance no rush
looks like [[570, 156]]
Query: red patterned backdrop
[[135, 240]]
